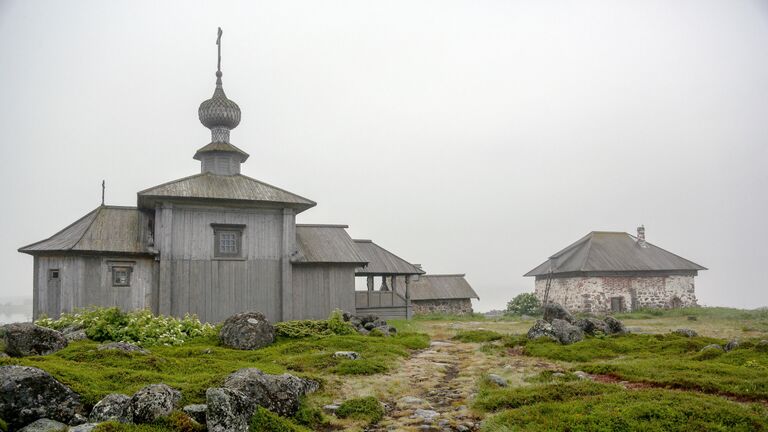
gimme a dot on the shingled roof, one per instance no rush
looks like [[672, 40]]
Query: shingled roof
[[441, 287], [105, 229], [239, 188], [326, 244], [601, 251], [382, 262]]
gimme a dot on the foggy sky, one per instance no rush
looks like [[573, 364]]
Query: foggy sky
[[474, 137]]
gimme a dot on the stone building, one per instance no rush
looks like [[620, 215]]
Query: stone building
[[442, 294], [615, 271]]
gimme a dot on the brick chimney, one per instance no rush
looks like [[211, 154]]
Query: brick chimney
[[641, 236]]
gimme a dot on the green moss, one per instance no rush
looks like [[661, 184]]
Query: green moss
[[267, 421], [366, 408], [311, 417], [494, 398], [639, 410], [3, 425], [360, 367], [477, 336]]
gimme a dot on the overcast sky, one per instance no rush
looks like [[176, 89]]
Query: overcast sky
[[473, 137]]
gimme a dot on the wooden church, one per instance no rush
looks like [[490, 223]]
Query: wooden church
[[211, 244]]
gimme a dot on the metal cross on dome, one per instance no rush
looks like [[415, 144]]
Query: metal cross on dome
[[218, 42]]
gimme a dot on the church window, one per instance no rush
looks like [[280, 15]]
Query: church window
[[121, 276], [227, 241]]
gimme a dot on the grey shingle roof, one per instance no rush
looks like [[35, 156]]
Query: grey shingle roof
[[325, 244], [382, 262], [105, 229], [221, 147], [208, 186], [436, 287], [601, 251]]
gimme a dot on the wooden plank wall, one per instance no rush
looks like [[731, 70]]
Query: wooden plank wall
[[319, 289]]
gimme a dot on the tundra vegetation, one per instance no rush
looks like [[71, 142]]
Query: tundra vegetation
[[650, 379]]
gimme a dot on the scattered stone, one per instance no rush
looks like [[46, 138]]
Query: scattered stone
[[411, 402], [685, 332], [366, 324], [4, 355], [541, 329], [425, 414], [440, 344], [732, 345], [498, 380], [123, 347], [693, 318], [582, 375], [228, 410], [712, 347], [26, 339], [350, 355], [762, 346], [247, 331], [330, 408], [278, 393], [196, 412], [615, 326], [152, 402], [29, 394], [592, 326], [462, 428], [565, 332], [558, 375], [44, 425], [85, 427], [114, 406], [75, 336], [553, 311]]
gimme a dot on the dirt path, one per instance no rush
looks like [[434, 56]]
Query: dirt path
[[437, 386]]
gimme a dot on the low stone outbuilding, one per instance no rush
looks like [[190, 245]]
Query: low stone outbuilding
[[615, 272], [442, 294]]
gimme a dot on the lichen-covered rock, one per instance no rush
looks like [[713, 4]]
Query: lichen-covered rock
[[122, 347], [196, 412], [28, 394], [152, 402], [762, 346], [113, 406], [732, 345], [85, 427], [227, 410], [615, 326], [26, 339], [349, 355], [565, 332], [45, 425], [553, 311], [498, 380], [366, 324], [592, 326], [75, 335], [278, 393], [715, 347], [542, 329], [686, 332], [247, 331]]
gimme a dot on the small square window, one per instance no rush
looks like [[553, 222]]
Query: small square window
[[53, 274], [121, 276], [227, 240]]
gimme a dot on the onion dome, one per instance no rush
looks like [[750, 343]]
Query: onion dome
[[218, 111]]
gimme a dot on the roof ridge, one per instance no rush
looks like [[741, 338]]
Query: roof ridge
[[323, 226], [589, 251], [21, 249], [671, 253], [171, 182], [275, 187], [362, 240], [445, 274], [98, 211]]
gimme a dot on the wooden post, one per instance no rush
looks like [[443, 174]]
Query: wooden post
[[384, 286], [370, 283], [165, 240], [408, 297], [289, 240], [394, 288]]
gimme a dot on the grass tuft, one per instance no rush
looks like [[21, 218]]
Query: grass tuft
[[366, 408], [477, 336]]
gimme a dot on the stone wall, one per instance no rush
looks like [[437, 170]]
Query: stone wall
[[594, 293], [448, 306]]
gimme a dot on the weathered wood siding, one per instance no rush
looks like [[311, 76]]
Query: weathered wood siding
[[87, 281], [212, 288], [318, 289], [385, 304]]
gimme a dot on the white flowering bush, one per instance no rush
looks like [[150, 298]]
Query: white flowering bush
[[137, 327]]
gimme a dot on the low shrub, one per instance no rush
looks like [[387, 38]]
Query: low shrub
[[137, 327], [524, 304], [334, 325], [366, 408], [310, 417], [264, 420], [360, 367], [493, 398], [477, 336]]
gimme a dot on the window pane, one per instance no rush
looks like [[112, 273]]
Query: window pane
[[228, 242]]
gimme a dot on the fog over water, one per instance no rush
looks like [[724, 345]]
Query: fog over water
[[474, 137]]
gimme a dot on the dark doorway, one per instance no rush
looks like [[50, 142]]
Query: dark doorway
[[676, 303], [54, 293], [617, 304]]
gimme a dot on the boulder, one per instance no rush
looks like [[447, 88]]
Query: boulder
[[227, 410], [196, 412], [685, 332], [498, 380], [152, 402], [582, 375], [278, 393], [26, 339], [44, 425], [114, 406], [732, 345], [715, 347], [29, 394], [592, 326], [615, 326], [122, 347], [247, 331], [762, 346], [350, 355], [553, 311], [565, 332], [75, 336], [541, 329], [85, 427]]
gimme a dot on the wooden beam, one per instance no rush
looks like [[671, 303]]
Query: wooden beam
[[408, 312], [370, 283]]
